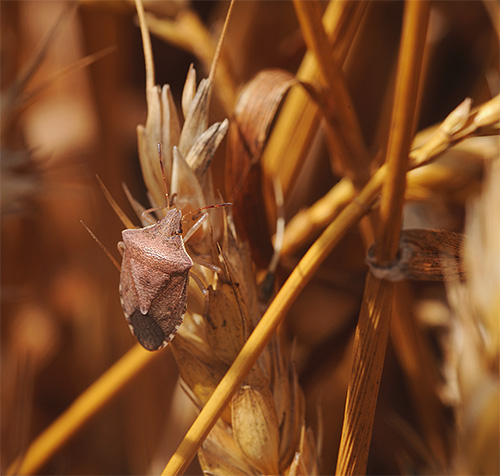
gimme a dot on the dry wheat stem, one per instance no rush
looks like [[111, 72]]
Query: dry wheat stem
[[402, 128], [264, 330], [373, 326], [298, 121], [343, 129], [316, 38], [429, 144], [101, 392]]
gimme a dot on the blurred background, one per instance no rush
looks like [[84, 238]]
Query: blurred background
[[65, 123]]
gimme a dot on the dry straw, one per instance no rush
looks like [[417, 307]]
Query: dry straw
[[373, 325]]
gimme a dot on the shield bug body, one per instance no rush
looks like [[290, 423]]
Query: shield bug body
[[154, 280]]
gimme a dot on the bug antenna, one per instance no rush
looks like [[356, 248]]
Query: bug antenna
[[119, 212], [217, 205], [103, 248], [160, 156]]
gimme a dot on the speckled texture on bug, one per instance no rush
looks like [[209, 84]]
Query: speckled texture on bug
[[154, 280]]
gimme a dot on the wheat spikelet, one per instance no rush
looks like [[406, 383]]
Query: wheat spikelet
[[266, 416], [263, 431]]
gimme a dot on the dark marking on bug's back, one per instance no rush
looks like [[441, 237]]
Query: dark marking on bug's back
[[147, 331]]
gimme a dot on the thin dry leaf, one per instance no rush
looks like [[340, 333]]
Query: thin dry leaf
[[427, 255]]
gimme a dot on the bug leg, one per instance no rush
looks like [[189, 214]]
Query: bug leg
[[266, 286], [196, 226], [203, 289], [146, 214], [206, 264]]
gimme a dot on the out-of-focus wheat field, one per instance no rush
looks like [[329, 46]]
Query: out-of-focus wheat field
[[61, 321]]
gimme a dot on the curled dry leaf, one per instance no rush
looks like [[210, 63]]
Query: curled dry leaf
[[425, 255], [253, 116]]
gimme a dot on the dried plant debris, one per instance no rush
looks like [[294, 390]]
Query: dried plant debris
[[427, 255], [256, 108], [471, 344]]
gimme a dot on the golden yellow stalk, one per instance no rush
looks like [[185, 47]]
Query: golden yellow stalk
[[402, 127], [344, 130], [298, 121], [100, 393], [428, 145], [373, 325], [264, 330]]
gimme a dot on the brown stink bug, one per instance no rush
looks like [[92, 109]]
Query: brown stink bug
[[155, 273], [154, 280]]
